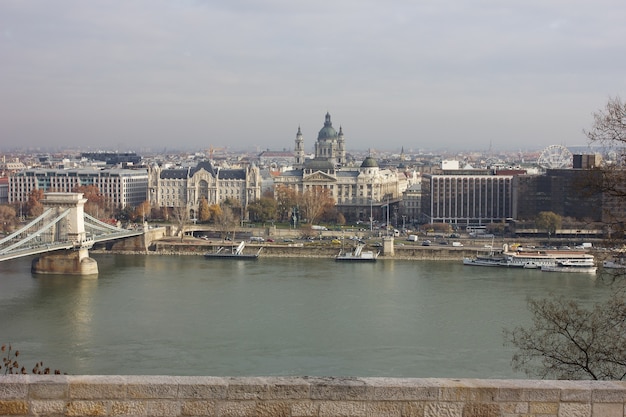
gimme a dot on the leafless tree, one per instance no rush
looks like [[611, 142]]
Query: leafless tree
[[226, 220], [181, 218], [567, 339], [314, 201]]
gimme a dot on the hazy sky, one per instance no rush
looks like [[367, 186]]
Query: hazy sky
[[423, 74]]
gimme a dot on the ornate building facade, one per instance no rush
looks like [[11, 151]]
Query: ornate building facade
[[185, 187], [359, 191]]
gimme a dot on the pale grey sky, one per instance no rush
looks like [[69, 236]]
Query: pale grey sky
[[423, 74]]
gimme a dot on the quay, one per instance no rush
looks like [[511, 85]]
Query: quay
[[317, 250], [159, 241], [297, 249]]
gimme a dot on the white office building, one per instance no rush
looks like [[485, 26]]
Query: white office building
[[123, 187]]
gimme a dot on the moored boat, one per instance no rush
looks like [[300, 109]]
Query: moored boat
[[573, 265], [357, 255], [614, 264], [542, 259], [234, 253], [492, 258], [545, 258], [484, 260], [616, 261]]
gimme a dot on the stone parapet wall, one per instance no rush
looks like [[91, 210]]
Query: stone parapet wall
[[58, 395]]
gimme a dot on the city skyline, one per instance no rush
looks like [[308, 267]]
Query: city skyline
[[190, 75]]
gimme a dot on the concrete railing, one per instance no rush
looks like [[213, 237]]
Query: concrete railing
[[34, 395]]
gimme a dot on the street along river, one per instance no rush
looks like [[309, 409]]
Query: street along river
[[186, 315]]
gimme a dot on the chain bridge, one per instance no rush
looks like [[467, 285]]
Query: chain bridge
[[65, 229]]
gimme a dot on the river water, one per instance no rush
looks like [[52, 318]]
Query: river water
[[170, 315]]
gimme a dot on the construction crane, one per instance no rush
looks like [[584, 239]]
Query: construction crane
[[212, 150]]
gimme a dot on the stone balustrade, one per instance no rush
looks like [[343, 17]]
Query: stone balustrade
[[59, 395]]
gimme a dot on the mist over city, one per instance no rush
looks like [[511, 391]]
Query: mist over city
[[151, 75]]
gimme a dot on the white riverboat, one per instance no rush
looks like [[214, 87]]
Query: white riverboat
[[587, 266], [616, 261], [544, 258], [614, 264], [536, 259]]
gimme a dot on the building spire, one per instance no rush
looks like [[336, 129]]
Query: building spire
[[299, 148]]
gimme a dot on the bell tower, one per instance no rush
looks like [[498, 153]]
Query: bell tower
[[299, 150], [341, 148]]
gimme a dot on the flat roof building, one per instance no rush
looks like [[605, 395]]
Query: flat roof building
[[123, 187], [466, 199]]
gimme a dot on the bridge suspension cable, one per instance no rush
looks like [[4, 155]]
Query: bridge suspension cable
[[29, 225], [37, 234], [97, 224], [55, 229]]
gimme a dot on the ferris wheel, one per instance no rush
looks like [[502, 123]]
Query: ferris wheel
[[555, 156]]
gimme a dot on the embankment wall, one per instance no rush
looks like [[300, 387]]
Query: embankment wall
[[142, 242], [58, 395], [309, 250]]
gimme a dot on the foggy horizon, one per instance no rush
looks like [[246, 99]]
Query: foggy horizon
[[188, 75]]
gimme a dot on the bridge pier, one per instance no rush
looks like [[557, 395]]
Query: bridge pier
[[68, 262], [388, 246], [74, 261]]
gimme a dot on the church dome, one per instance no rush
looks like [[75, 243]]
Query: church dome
[[369, 162], [328, 131]]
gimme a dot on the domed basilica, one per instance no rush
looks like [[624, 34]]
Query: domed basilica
[[359, 191]]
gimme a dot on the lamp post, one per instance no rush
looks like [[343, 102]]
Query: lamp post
[[387, 215], [371, 217]]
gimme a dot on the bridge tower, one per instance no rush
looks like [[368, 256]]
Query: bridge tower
[[75, 261]]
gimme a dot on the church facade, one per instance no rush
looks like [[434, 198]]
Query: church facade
[[360, 191]]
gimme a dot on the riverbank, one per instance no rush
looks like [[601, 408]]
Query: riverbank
[[322, 249]]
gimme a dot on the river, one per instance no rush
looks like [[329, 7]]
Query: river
[[186, 315]]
